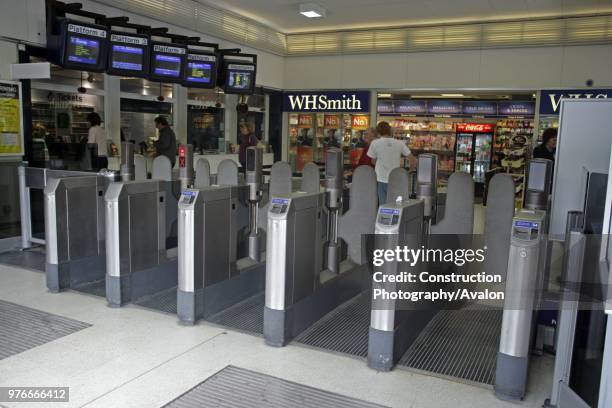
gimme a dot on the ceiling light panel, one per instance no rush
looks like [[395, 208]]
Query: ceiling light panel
[[312, 10]]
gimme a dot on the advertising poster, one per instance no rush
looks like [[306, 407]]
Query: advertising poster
[[11, 123]]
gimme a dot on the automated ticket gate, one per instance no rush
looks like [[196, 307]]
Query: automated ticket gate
[[75, 225], [299, 289], [219, 249]]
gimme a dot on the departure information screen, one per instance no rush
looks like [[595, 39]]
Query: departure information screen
[[167, 61], [127, 57], [83, 50], [239, 80], [199, 72], [167, 65]]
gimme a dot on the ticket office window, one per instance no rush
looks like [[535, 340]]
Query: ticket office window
[[206, 120], [311, 134], [60, 127]]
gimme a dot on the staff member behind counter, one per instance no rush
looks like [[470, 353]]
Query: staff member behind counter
[[96, 135], [166, 143]]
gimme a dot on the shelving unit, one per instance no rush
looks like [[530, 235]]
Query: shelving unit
[[512, 150]]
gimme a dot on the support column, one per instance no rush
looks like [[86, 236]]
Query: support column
[[266, 112], [112, 109], [231, 118], [179, 113], [373, 107]]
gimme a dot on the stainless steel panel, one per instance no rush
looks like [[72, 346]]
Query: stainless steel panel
[[520, 293], [51, 237], [113, 253], [276, 262]]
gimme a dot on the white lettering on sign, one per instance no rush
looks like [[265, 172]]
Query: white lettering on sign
[[322, 102], [555, 100], [168, 49], [126, 39], [200, 57], [94, 32]]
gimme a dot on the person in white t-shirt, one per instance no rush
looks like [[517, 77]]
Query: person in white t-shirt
[[98, 136], [386, 154]]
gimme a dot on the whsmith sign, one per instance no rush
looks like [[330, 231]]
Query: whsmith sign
[[550, 100], [327, 101]]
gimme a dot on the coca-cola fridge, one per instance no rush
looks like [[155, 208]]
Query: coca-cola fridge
[[473, 149]]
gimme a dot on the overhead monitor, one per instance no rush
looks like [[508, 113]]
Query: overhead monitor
[[129, 54], [239, 77], [167, 62], [200, 70], [82, 46]]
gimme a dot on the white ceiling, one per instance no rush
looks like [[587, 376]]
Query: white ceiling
[[283, 15]]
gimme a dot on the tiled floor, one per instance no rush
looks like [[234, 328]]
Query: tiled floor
[[131, 357]]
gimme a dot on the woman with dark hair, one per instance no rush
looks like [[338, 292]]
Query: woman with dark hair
[[96, 135], [246, 139], [548, 147]]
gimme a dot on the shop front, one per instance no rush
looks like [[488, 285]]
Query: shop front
[[550, 102], [477, 134], [321, 120]]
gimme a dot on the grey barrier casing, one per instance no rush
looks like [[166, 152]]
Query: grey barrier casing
[[136, 224], [127, 169], [293, 259], [211, 242], [254, 180], [334, 188], [397, 224], [519, 305], [427, 183], [74, 231], [539, 181]]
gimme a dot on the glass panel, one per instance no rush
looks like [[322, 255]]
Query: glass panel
[[9, 200], [60, 128], [463, 153], [206, 128], [145, 87], [482, 156], [138, 122]]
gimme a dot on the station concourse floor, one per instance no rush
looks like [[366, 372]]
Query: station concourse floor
[[133, 357]]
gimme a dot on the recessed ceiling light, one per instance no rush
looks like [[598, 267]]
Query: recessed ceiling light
[[312, 10], [452, 95], [384, 95]]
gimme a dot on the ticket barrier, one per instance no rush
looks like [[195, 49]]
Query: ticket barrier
[[398, 328], [299, 289], [140, 245], [219, 249], [74, 231], [75, 225], [522, 293]]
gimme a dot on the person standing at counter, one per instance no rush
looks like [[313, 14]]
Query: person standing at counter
[[368, 136], [96, 135], [386, 154], [166, 143], [247, 139]]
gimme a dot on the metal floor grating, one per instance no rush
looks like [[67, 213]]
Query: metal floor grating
[[235, 387], [458, 344], [344, 330], [97, 288], [246, 316], [164, 301], [23, 328], [33, 258]]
